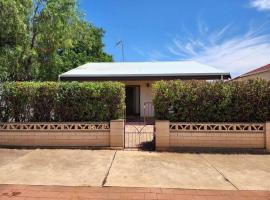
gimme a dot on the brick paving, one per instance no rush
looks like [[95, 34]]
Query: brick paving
[[24, 192]]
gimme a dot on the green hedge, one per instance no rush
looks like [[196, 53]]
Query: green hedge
[[200, 101], [61, 101]]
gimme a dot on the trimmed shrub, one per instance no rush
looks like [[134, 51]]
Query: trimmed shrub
[[61, 101], [101, 101], [200, 101], [15, 101], [43, 101]]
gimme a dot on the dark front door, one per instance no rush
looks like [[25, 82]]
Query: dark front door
[[133, 100]]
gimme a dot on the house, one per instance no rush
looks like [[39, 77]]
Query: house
[[139, 77], [261, 72]]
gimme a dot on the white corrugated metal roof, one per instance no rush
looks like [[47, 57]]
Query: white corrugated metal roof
[[141, 69]]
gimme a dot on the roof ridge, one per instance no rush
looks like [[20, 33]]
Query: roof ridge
[[257, 70], [163, 61]]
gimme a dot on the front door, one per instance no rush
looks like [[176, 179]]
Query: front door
[[132, 100]]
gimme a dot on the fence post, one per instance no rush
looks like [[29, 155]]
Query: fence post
[[162, 134], [267, 136], [117, 133]]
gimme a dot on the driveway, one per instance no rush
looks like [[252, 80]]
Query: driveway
[[135, 169]]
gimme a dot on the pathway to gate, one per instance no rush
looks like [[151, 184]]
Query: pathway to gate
[[139, 136]]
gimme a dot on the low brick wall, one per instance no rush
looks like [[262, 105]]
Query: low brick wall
[[55, 134], [216, 135]]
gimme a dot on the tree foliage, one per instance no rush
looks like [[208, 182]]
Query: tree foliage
[[39, 39]]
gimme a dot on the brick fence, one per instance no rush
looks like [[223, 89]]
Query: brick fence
[[168, 135], [101, 134], [218, 135]]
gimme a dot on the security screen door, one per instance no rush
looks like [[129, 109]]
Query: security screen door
[[133, 100]]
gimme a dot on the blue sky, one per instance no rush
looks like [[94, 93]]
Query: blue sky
[[233, 35]]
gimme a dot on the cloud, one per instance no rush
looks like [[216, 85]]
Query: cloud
[[260, 4], [152, 55], [156, 55], [236, 54]]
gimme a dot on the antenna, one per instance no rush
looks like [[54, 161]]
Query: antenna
[[122, 46]]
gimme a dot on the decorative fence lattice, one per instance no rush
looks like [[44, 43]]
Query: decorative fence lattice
[[55, 126], [217, 127]]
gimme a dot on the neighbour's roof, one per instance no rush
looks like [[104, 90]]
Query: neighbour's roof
[[256, 71], [144, 70]]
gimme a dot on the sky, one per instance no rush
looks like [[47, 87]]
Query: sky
[[233, 35]]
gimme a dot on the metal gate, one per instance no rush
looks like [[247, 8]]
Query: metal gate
[[139, 136]]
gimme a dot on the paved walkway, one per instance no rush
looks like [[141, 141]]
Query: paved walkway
[[20, 192], [135, 169]]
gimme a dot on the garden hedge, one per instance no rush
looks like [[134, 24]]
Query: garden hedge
[[61, 101], [201, 101]]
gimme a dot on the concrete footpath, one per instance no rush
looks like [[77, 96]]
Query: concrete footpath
[[229, 172]]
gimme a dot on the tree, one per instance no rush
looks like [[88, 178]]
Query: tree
[[39, 39], [13, 37]]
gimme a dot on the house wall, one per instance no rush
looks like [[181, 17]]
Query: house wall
[[145, 94], [263, 75]]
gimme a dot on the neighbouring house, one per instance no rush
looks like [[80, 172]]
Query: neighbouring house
[[139, 77], [261, 72]]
